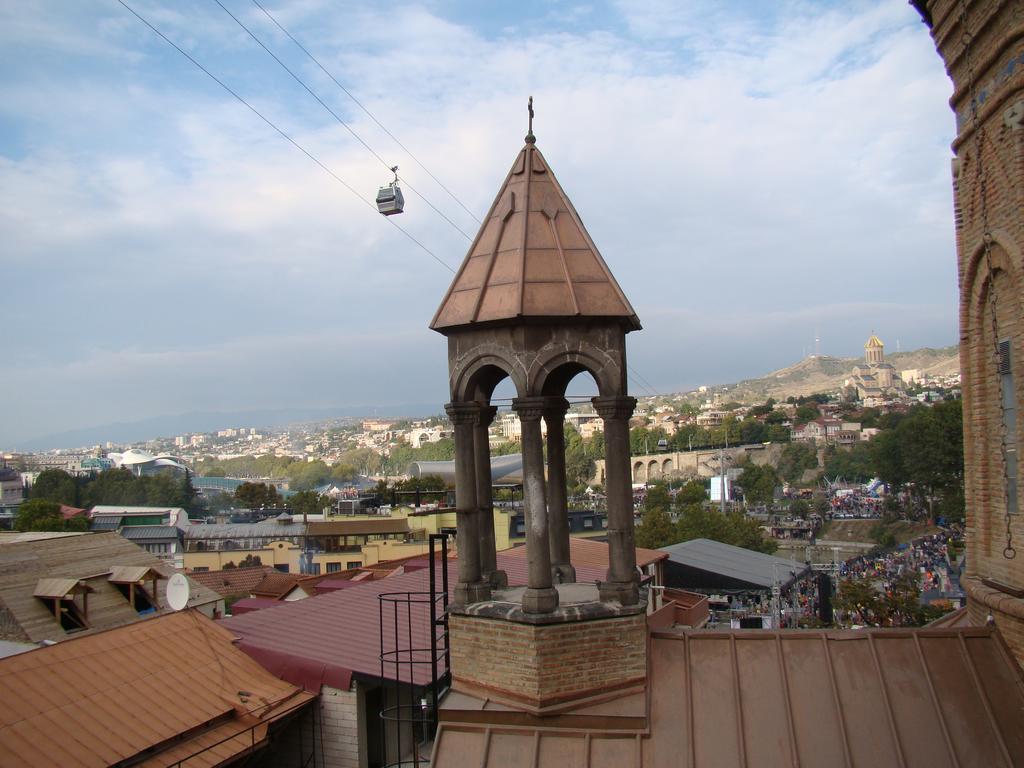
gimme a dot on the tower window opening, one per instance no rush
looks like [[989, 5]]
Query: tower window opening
[[1008, 395]]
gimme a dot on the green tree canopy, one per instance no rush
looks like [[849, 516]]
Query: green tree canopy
[[308, 503], [44, 515], [758, 483], [55, 485], [693, 492], [855, 463], [257, 495], [796, 459], [925, 454]]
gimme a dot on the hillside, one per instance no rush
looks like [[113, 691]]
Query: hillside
[[824, 373]]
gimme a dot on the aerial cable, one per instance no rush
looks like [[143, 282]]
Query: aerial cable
[[283, 135], [647, 385], [348, 93], [334, 114]]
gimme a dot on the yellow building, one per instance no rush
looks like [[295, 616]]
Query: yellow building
[[326, 547]]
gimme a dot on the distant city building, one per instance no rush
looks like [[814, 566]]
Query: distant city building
[[12, 492], [875, 378], [144, 463]]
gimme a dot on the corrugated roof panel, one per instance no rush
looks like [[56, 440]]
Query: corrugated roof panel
[[715, 702], [965, 709], [760, 677], [112, 695]]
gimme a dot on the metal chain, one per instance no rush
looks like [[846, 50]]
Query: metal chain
[[1009, 552]]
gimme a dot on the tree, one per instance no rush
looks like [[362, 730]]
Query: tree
[[805, 413], [799, 508], [644, 441], [693, 492], [854, 463], [308, 503], [796, 459], [257, 495], [250, 561], [925, 454], [899, 606], [44, 515], [55, 485], [656, 528], [579, 462], [758, 483]]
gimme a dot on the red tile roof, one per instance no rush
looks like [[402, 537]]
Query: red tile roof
[[232, 581], [145, 693]]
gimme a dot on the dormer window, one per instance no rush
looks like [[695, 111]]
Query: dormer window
[[59, 596], [131, 581]]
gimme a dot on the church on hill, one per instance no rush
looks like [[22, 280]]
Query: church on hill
[[875, 378]]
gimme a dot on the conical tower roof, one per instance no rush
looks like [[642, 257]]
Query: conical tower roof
[[874, 342], [532, 258]]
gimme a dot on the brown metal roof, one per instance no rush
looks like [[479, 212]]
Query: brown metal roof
[[925, 697], [358, 527], [532, 258], [590, 552], [154, 692], [232, 581], [276, 584]]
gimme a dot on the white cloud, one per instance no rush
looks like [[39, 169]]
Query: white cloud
[[759, 173]]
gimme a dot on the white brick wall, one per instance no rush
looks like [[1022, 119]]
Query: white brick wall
[[339, 720]]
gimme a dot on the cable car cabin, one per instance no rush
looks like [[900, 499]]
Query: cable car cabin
[[390, 200]]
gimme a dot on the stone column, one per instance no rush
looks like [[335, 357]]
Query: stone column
[[469, 588], [540, 596], [482, 455], [558, 508], [623, 581]]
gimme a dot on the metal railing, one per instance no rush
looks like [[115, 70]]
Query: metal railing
[[414, 663]]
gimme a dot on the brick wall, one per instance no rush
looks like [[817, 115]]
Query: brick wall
[[339, 722], [988, 101], [544, 664], [326, 735]]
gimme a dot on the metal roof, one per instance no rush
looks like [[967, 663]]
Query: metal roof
[[595, 553], [325, 638], [754, 568], [919, 697], [266, 529], [532, 258], [144, 694], [507, 469], [359, 526], [150, 532]]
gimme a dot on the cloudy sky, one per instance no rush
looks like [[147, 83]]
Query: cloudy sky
[[752, 178]]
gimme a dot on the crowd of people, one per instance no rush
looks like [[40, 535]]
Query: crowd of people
[[928, 557]]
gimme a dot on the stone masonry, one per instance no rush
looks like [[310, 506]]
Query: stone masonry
[[982, 46], [538, 666]]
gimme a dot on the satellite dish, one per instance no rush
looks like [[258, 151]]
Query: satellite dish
[[178, 591]]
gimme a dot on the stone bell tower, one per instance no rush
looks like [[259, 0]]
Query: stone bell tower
[[535, 302]]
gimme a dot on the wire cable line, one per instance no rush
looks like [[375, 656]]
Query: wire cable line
[[348, 93], [345, 125], [641, 380], [283, 135]]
